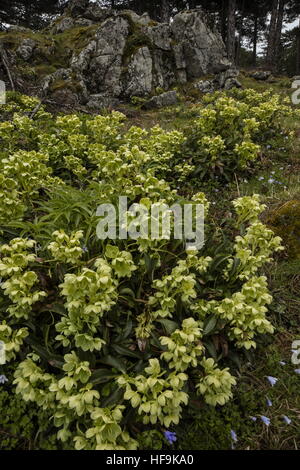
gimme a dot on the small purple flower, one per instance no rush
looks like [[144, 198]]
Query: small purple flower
[[3, 379], [297, 371], [272, 380], [261, 178], [282, 363], [271, 181], [254, 418], [286, 419], [265, 420], [269, 403], [170, 436], [233, 435]]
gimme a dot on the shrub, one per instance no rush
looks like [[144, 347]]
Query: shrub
[[231, 131]]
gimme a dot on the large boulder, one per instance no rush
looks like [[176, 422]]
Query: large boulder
[[261, 75], [198, 49]]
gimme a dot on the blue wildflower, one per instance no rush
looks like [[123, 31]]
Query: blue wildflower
[[297, 371], [282, 363], [269, 403], [286, 419], [3, 379], [271, 181], [272, 380], [170, 436], [254, 418], [266, 420], [261, 178], [233, 435]]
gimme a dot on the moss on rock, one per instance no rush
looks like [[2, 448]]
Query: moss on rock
[[285, 222]]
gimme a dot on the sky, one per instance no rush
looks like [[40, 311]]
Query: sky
[[287, 27]]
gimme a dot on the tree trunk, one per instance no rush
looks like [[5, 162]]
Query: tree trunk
[[271, 51], [224, 14], [255, 37], [298, 51], [238, 49], [231, 30], [279, 32], [240, 34]]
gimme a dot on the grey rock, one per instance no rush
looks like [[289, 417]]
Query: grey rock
[[101, 61], [261, 75], [181, 76], [142, 20], [119, 61], [139, 74], [223, 77], [61, 25], [70, 78], [164, 73], [205, 86], [101, 101], [160, 36], [25, 50], [232, 83], [168, 98], [202, 49], [179, 56]]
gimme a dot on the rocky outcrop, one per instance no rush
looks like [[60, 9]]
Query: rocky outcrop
[[118, 54]]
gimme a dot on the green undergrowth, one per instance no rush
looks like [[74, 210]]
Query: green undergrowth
[[55, 171]]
